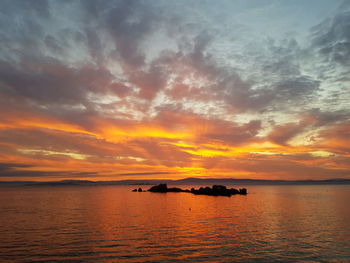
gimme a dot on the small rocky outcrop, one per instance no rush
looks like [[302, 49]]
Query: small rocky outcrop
[[161, 188], [243, 191], [138, 190], [218, 190], [215, 190]]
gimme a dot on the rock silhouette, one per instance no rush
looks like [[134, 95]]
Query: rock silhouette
[[215, 190], [161, 188], [218, 190], [137, 190], [243, 191]]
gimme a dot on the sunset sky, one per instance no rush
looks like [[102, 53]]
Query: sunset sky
[[114, 90]]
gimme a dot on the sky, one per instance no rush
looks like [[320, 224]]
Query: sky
[[116, 90]]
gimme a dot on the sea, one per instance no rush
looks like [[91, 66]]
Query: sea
[[110, 223]]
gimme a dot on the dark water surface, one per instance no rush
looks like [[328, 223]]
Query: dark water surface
[[113, 224]]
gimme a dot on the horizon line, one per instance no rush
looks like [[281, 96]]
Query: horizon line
[[179, 180]]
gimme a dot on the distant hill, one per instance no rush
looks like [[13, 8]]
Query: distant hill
[[186, 181], [259, 182]]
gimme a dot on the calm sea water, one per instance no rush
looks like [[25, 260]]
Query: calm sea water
[[113, 224]]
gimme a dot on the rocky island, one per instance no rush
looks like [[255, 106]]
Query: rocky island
[[215, 190]]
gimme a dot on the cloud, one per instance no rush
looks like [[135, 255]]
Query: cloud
[[231, 133], [128, 25], [48, 81], [5, 167], [159, 88], [281, 134], [324, 118], [336, 139], [129, 22], [332, 37]]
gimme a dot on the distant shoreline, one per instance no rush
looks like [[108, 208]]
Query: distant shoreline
[[187, 181]]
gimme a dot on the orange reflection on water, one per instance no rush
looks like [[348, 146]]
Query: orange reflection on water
[[111, 223]]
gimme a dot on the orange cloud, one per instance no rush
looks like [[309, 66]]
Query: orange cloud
[[171, 145]]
